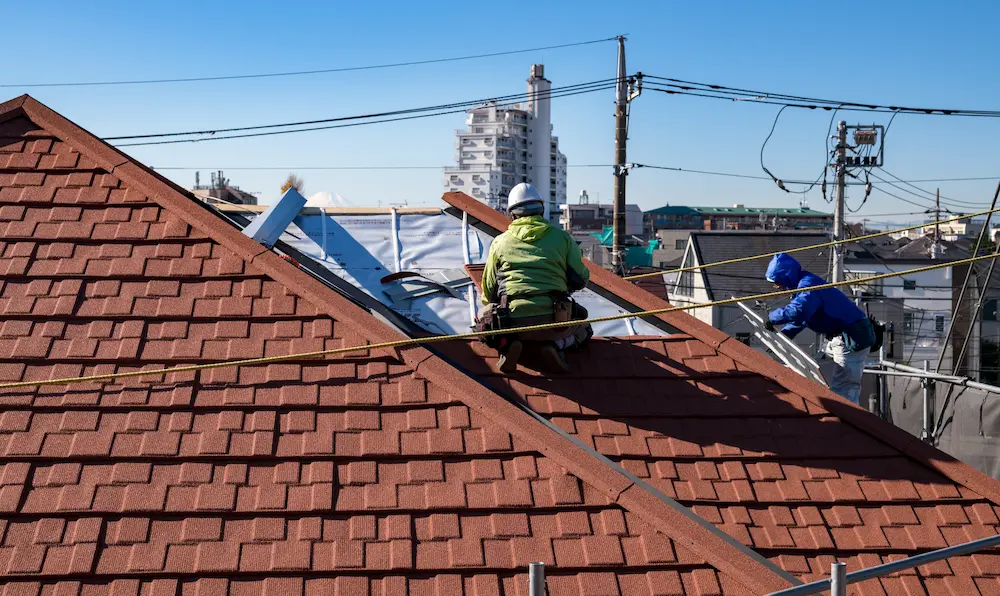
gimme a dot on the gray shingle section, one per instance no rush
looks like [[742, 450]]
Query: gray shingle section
[[742, 279]]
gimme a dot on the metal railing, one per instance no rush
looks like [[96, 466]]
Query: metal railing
[[839, 579], [929, 431]]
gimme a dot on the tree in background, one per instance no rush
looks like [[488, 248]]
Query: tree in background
[[292, 181]]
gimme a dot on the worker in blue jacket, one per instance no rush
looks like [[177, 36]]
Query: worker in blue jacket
[[826, 311]]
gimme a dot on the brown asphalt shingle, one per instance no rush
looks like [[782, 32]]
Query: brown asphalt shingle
[[378, 472], [777, 462]]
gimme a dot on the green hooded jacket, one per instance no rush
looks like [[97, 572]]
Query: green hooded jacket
[[527, 262]]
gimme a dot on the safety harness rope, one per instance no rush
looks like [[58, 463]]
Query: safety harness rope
[[472, 335]]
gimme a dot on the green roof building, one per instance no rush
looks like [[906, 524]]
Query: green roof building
[[737, 217]]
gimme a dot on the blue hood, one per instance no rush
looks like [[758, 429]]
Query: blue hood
[[784, 270]]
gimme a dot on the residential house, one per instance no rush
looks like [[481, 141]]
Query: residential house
[[593, 218], [929, 299], [681, 463], [702, 286]]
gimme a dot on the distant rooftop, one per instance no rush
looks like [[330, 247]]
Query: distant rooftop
[[740, 210]]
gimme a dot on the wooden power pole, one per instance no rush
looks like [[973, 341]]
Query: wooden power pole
[[621, 169]]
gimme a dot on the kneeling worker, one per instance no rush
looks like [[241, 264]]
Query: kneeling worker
[[827, 311], [530, 272]]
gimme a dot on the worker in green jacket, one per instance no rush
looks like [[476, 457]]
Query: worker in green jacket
[[531, 270]]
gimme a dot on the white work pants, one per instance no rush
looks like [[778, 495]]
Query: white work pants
[[844, 374]]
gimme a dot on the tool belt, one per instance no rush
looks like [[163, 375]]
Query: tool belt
[[497, 317], [863, 334]]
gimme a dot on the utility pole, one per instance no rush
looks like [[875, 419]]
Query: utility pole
[[838, 213], [621, 170], [936, 247]]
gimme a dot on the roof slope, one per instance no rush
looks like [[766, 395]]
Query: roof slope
[[743, 279], [381, 472], [776, 461]]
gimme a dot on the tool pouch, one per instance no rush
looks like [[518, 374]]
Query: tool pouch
[[562, 310], [494, 319]]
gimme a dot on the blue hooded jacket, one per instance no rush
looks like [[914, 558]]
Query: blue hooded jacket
[[826, 311]]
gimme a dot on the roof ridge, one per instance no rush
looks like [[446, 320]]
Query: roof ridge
[[740, 563], [908, 445]]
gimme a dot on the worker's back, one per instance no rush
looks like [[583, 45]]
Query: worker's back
[[836, 310], [529, 263], [827, 310]]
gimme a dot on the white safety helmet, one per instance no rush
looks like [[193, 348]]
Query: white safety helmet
[[522, 195]]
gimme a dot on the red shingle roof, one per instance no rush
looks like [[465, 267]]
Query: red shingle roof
[[395, 471], [381, 472], [777, 462]]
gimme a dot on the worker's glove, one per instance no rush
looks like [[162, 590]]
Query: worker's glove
[[769, 326]]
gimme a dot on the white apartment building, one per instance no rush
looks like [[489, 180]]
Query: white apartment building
[[506, 145]]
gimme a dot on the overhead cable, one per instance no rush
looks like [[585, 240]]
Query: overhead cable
[[962, 205], [930, 194], [309, 168], [681, 87], [309, 72], [266, 133], [472, 102]]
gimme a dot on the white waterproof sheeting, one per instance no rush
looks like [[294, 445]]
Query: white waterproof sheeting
[[362, 249]]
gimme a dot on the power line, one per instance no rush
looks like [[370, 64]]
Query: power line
[[681, 87], [332, 168], [309, 72], [900, 198], [910, 192], [466, 103], [503, 99], [727, 174], [871, 215], [925, 191], [636, 165], [346, 125], [753, 177]]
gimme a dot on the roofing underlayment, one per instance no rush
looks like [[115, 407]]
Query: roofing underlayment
[[363, 248], [685, 463]]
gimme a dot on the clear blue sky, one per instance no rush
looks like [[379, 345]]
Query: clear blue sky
[[911, 53]]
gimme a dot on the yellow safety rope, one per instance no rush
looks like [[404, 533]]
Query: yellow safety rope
[[473, 335], [810, 247]]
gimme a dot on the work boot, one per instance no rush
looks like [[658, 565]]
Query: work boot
[[509, 357], [551, 359]]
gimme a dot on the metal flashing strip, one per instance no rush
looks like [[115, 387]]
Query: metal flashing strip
[[631, 326], [269, 226], [407, 286], [635, 480], [395, 238], [467, 259]]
